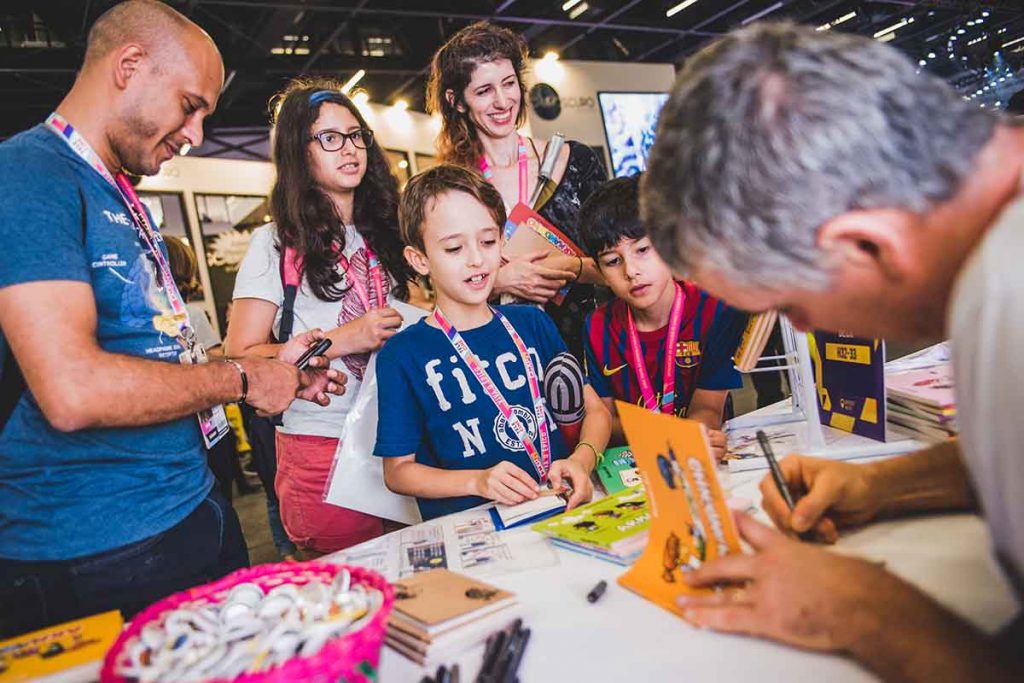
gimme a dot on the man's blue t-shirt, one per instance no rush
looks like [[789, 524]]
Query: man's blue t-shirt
[[430, 403], [67, 495]]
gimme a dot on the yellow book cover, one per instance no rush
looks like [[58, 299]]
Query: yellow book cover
[[60, 652], [690, 521]]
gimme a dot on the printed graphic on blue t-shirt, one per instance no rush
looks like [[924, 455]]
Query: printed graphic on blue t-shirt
[[432, 405], [65, 495]]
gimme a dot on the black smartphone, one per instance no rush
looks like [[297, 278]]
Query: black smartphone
[[317, 349]]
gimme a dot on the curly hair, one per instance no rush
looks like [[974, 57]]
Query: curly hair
[[305, 216], [452, 68]]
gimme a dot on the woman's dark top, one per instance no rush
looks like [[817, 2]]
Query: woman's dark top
[[583, 174]]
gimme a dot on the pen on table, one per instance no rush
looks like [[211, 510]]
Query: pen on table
[[495, 648], [597, 591], [780, 480], [509, 672]]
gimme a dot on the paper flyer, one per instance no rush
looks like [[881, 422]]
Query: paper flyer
[[465, 542], [690, 521], [849, 374]]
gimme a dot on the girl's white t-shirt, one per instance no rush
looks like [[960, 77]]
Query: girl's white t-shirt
[[259, 277]]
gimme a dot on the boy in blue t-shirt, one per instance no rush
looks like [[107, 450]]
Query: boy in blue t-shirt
[[624, 340], [456, 395]]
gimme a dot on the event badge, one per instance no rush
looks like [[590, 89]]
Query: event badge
[[213, 422]]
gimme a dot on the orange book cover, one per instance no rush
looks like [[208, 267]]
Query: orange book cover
[[690, 521], [69, 651]]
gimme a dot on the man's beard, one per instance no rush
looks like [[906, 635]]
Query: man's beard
[[132, 146]]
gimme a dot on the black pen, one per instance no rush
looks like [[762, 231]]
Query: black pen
[[495, 647], [317, 349], [780, 480], [509, 673]]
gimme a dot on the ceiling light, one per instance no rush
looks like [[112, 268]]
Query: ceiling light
[[898, 25], [580, 9], [401, 105], [551, 56], [569, 4], [361, 98], [887, 37], [960, 31], [1013, 42], [350, 83], [676, 9], [923, 62], [931, 55], [760, 14]]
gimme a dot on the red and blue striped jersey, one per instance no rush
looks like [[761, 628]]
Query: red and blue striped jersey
[[710, 333]]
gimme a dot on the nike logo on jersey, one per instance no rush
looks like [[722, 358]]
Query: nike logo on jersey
[[608, 373]]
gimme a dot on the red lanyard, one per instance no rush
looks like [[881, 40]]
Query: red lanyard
[[524, 180], [542, 459], [59, 125], [374, 276], [636, 358]]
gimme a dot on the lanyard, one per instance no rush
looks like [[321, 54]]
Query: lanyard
[[373, 275], [668, 393], [56, 123], [541, 460], [524, 180]]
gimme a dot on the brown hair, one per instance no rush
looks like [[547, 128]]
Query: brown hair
[[305, 217], [184, 268], [426, 187], [452, 68]]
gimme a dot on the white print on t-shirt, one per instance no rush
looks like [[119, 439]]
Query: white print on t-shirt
[[512, 379], [121, 218]]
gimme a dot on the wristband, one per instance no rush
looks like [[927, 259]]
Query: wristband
[[597, 456], [578, 274], [245, 378]]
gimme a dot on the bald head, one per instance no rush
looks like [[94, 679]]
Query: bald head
[[151, 24]]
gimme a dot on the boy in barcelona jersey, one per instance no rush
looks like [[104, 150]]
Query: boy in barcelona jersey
[[463, 416], [626, 340]]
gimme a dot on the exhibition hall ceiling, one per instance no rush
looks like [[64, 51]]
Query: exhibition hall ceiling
[[977, 46]]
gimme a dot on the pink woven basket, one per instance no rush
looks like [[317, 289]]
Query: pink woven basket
[[351, 657]]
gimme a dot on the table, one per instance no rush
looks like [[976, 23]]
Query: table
[[623, 636]]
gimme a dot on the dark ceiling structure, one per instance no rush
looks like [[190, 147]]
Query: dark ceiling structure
[[977, 46]]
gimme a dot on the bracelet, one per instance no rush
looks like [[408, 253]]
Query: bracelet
[[245, 378], [578, 274], [597, 456]]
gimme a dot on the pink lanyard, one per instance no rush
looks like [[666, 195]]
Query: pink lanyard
[[668, 393], [56, 123], [541, 460], [374, 276], [524, 181]]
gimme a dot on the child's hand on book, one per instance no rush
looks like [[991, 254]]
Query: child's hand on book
[[506, 483], [569, 473], [716, 438]]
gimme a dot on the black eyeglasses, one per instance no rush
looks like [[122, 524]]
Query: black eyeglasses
[[332, 140]]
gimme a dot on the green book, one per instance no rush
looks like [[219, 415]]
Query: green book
[[617, 470], [616, 524]]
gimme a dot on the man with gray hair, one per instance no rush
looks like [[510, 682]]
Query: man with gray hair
[[105, 496], [819, 174]]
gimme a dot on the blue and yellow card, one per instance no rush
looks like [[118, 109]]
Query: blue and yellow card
[[849, 375]]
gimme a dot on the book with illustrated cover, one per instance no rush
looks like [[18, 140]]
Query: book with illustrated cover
[[931, 389], [72, 651], [615, 525], [434, 602], [690, 521], [616, 470]]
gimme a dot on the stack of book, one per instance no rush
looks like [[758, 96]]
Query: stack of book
[[755, 337], [612, 529], [440, 614], [922, 401], [67, 653]]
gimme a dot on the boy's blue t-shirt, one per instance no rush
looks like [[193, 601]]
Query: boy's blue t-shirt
[[430, 403], [68, 495]]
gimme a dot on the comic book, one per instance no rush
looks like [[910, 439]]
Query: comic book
[[690, 522], [68, 652], [613, 528], [616, 470]]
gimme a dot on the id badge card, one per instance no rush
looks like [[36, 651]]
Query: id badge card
[[213, 422], [526, 231]]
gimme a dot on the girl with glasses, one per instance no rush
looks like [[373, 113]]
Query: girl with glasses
[[331, 261]]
